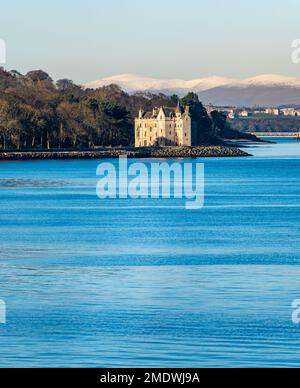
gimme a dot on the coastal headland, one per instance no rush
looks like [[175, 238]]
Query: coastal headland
[[131, 153]]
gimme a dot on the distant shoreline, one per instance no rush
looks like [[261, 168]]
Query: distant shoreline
[[276, 134], [131, 153]]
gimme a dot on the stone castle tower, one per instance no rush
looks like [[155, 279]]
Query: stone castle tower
[[163, 127]]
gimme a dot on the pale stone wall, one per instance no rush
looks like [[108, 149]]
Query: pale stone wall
[[162, 130], [186, 123], [146, 132]]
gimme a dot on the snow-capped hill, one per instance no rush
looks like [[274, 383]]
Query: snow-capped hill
[[210, 83], [135, 83], [269, 80], [128, 82], [262, 90]]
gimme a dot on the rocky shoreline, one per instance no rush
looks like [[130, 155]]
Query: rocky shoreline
[[138, 153]]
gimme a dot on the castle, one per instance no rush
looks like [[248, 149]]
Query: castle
[[164, 127]]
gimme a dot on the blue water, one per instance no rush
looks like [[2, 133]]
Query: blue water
[[144, 282]]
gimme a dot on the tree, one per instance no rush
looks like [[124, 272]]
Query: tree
[[174, 99], [219, 120], [202, 131], [64, 85], [38, 75]]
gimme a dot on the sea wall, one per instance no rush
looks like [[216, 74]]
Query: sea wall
[[112, 153]]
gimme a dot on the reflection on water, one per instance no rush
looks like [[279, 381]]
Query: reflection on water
[[146, 282]]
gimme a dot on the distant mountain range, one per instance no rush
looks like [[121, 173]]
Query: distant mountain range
[[262, 90]]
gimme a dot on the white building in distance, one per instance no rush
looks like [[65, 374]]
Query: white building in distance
[[244, 113], [272, 111], [289, 111], [164, 127]]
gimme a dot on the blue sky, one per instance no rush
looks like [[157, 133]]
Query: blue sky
[[87, 40]]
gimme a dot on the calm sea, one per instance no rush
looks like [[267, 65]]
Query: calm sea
[[102, 283]]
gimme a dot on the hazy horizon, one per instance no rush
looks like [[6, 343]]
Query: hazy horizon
[[169, 40]]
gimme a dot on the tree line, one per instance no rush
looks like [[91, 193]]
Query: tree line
[[37, 113], [267, 124]]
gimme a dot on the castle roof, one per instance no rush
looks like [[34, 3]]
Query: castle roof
[[178, 108], [149, 115], [169, 112]]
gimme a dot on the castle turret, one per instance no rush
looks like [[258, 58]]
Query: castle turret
[[178, 108], [154, 112]]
